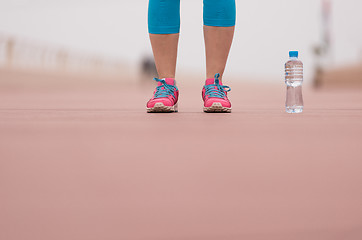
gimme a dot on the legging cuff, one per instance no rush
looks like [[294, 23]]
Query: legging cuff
[[219, 22], [164, 30]]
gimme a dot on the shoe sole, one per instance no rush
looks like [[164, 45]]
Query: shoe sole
[[217, 108], [161, 108]]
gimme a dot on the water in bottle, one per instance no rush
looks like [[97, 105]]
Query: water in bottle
[[294, 81]]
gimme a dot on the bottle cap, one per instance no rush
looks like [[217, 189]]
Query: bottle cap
[[293, 54]]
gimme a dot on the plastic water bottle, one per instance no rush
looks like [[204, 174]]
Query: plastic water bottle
[[294, 81]]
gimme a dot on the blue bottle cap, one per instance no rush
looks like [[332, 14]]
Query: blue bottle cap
[[293, 54]]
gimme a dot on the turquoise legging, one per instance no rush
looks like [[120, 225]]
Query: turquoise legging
[[164, 15]]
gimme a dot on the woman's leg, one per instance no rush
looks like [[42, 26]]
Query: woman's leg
[[219, 22], [164, 48], [217, 43], [164, 28]]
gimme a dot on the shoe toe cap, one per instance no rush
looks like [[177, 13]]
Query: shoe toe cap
[[224, 102], [165, 101]]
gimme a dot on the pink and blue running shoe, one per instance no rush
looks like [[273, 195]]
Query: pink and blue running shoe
[[215, 97], [164, 98]]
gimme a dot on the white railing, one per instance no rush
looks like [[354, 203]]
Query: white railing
[[22, 54]]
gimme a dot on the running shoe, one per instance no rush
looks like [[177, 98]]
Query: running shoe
[[215, 97], [165, 97]]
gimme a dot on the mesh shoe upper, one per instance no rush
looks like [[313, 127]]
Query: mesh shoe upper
[[214, 91], [166, 92]]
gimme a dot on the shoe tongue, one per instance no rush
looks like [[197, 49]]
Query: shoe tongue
[[212, 81], [169, 81]]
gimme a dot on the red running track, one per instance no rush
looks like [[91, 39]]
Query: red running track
[[80, 160]]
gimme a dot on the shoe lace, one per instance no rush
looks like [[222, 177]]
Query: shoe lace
[[216, 90], [165, 89]]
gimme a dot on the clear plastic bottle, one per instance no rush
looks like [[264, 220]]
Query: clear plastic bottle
[[294, 81]]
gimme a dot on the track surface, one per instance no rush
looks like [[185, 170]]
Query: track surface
[[85, 161]]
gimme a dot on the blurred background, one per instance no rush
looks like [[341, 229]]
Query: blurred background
[[80, 159], [111, 37]]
